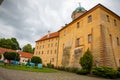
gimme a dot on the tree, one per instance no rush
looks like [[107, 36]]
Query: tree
[[15, 45], [11, 56], [36, 60], [0, 56], [86, 61], [9, 43], [28, 48]]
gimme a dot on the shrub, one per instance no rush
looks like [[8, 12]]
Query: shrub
[[11, 56], [105, 72], [82, 72], [86, 61], [36, 60], [61, 68], [50, 65], [118, 69]]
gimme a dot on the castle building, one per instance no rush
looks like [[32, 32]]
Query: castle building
[[47, 48], [97, 29]]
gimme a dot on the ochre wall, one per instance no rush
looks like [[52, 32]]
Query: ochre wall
[[45, 56]]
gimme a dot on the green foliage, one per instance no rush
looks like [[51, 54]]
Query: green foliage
[[118, 69], [36, 60], [9, 43], [82, 72], [0, 56], [28, 48], [11, 56], [86, 61], [105, 72], [26, 68], [68, 69], [49, 65]]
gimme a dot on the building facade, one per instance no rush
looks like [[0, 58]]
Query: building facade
[[97, 29], [47, 48], [24, 56]]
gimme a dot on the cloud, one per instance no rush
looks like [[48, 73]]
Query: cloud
[[28, 20]]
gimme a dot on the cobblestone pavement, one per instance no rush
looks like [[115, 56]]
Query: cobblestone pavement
[[7, 74]]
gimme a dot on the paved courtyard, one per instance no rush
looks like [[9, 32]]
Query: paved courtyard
[[7, 74]]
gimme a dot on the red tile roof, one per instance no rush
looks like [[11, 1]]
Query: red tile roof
[[23, 54], [51, 35]]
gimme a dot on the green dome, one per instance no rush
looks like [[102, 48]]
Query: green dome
[[80, 9]]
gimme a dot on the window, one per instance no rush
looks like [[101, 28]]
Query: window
[[40, 47], [115, 22], [89, 38], [56, 44], [51, 51], [78, 42], [118, 41], [55, 51], [39, 52], [51, 45], [78, 24], [48, 45], [42, 52], [108, 20], [64, 32], [52, 59], [89, 18]]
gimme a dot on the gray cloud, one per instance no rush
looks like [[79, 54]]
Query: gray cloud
[[28, 20]]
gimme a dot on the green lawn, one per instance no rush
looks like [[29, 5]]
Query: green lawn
[[26, 68]]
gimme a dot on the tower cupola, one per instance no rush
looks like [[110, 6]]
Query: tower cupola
[[78, 12]]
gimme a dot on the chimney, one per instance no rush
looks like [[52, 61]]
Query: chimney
[[48, 36]]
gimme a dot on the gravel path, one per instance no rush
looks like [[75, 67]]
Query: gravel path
[[7, 74]]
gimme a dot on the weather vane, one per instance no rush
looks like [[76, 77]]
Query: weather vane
[[79, 4]]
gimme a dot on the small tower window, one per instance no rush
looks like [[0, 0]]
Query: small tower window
[[108, 19], [89, 18], [118, 41], [78, 42], [78, 24], [89, 38], [115, 23], [64, 32]]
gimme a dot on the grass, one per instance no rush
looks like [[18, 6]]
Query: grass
[[27, 68]]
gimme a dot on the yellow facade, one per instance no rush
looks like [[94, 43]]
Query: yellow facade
[[94, 32], [47, 49], [97, 29]]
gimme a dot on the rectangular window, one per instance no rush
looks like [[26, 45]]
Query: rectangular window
[[89, 38], [42, 52], [78, 42], [89, 18], [115, 22], [55, 51], [56, 44], [64, 32], [51, 45], [52, 59], [118, 41], [48, 45], [108, 19], [78, 24]]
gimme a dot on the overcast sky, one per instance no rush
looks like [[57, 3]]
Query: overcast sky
[[29, 20]]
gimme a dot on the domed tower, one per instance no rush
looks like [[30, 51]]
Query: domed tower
[[78, 12]]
